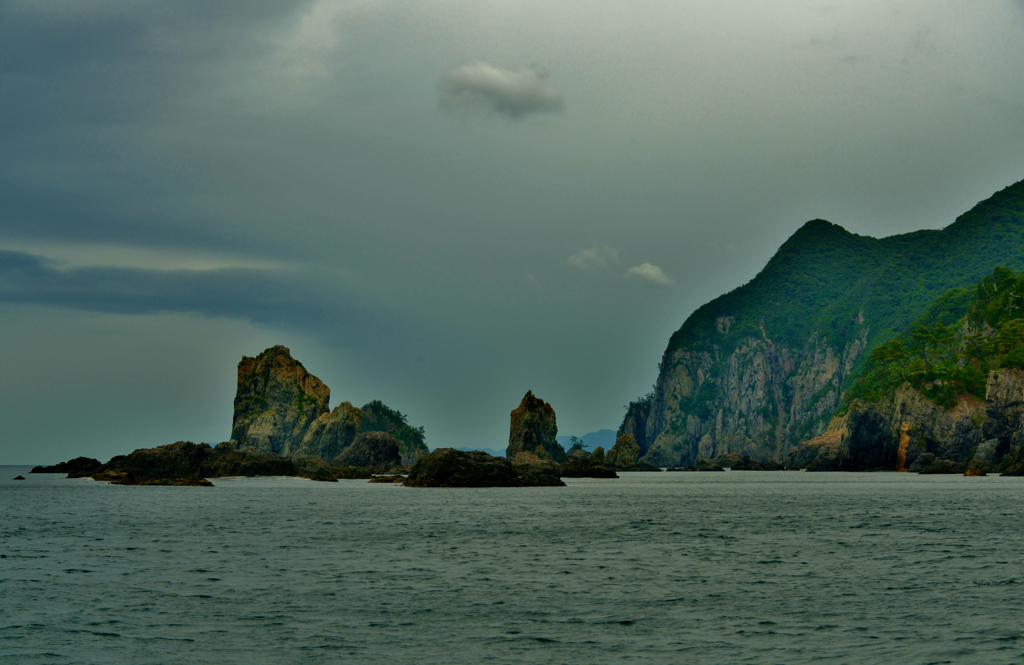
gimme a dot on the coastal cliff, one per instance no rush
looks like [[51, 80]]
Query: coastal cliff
[[762, 368]]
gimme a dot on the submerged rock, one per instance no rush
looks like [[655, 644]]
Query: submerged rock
[[534, 424], [447, 467]]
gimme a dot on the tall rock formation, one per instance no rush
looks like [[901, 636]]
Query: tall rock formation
[[276, 402], [281, 408], [762, 368], [533, 424]]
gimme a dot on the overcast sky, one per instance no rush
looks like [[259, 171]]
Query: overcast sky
[[445, 204]]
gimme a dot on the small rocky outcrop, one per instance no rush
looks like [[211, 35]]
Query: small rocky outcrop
[[115, 477], [737, 462], [624, 453], [20, 477], [378, 450], [583, 467], [276, 403], [625, 456], [447, 467], [533, 424], [76, 468], [701, 465]]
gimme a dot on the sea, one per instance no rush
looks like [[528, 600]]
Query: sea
[[732, 567]]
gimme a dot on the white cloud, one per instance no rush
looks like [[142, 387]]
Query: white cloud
[[593, 258], [651, 274], [478, 85]]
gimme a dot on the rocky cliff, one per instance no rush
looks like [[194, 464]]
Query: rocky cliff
[[762, 368], [276, 402], [533, 424], [911, 432], [281, 408]]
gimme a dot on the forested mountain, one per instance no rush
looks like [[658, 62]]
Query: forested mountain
[[763, 367]]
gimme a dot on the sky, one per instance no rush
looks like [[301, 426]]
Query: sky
[[444, 204]]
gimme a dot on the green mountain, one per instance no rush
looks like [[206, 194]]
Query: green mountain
[[948, 353], [763, 367]]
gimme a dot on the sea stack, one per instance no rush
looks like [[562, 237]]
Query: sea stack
[[276, 402], [533, 424]]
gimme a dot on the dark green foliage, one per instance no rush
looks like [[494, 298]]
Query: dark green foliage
[[985, 331], [823, 278], [379, 417]]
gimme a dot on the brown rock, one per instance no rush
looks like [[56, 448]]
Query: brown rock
[[378, 450], [446, 467], [533, 424], [276, 402]]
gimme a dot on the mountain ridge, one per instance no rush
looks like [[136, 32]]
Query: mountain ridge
[[763, 366]]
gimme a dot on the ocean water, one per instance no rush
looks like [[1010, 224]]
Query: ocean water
[[735, 567]]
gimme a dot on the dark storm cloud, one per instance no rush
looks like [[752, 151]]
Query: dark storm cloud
[[107, 62], [513, 94], [281, 299]]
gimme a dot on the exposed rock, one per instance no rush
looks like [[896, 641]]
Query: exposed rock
[[579, 452], [598, 455], [330, 434], [388, 479], [737, 462], [184, 460], [756, 400], [115, 477], [276, 402], [533, 424], [943, 466], [446, 467], [582, 467], [76, 468], [624, 453], [225, 461], [532, 459], [371, 449], [701, 465], [20, 477], [909, 431]]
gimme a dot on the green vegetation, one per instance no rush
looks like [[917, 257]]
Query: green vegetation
[[951, 348], [378, 417], [827, 280]]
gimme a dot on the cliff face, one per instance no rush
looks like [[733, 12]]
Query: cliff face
[[911, 432], [276, 402], [533, 424], [758, 400], [331, 433]]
